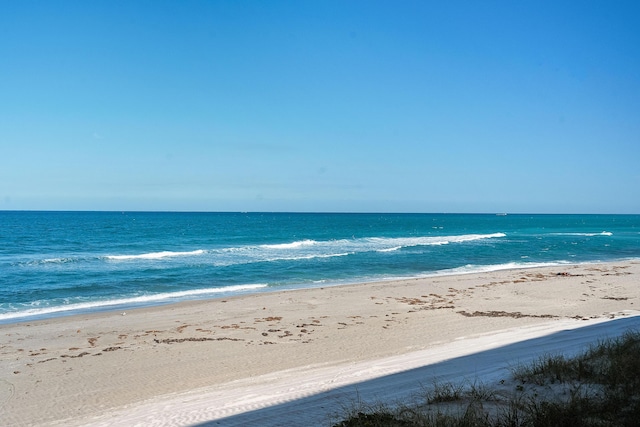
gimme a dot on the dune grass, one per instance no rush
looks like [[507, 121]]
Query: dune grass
[[599, 387]]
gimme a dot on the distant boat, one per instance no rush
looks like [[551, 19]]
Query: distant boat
[[501, 214]]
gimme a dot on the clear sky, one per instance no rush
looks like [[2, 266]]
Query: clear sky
[[387, 106]]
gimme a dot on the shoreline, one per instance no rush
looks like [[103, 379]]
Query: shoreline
[[162, 300], [77, 369]]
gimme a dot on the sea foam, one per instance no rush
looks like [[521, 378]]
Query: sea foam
[[292, 245], [472, 269], [604, 233], [310, 249], [132, 301], [155, 255]]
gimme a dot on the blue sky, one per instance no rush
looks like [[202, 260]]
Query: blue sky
[[394, 106]]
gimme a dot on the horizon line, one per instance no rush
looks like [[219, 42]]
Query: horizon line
[[496, 213]]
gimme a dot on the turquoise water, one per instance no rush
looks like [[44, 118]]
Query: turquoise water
[[57, 263]]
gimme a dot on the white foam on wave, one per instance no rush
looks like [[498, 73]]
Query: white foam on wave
[[306, 249], [394, 243], [367, 241], [475, 269], [292, 245], [604, 233], [47, 262], [310, 249], [303, 257], [471, 269], [140, 300], [155, 255], [380, 243], [56, 260], [393, 249]]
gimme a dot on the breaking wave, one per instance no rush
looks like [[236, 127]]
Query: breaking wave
[[604, 233], [130, 301], [155, 255]]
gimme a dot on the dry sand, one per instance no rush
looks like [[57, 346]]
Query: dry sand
[[293, 358]]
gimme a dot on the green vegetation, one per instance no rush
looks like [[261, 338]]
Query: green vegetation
[[600, 387]]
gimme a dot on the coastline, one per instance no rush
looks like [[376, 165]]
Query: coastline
[[83, 369], [209, 294]]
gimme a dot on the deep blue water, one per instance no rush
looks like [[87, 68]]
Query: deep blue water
[[55, 263]]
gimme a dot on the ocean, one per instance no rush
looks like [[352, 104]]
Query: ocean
[[61, 263]]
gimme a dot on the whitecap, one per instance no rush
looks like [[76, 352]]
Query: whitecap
[[154, 255], [604, 233], [390, 243], [306, 257], [292, 245], [393, 249], [310, 249]]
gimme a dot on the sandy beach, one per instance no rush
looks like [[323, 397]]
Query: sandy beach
[[285, 357]]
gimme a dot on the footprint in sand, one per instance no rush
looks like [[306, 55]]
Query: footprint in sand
[[6, 392]]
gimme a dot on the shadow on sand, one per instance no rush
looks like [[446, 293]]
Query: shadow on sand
[[486, 367]]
